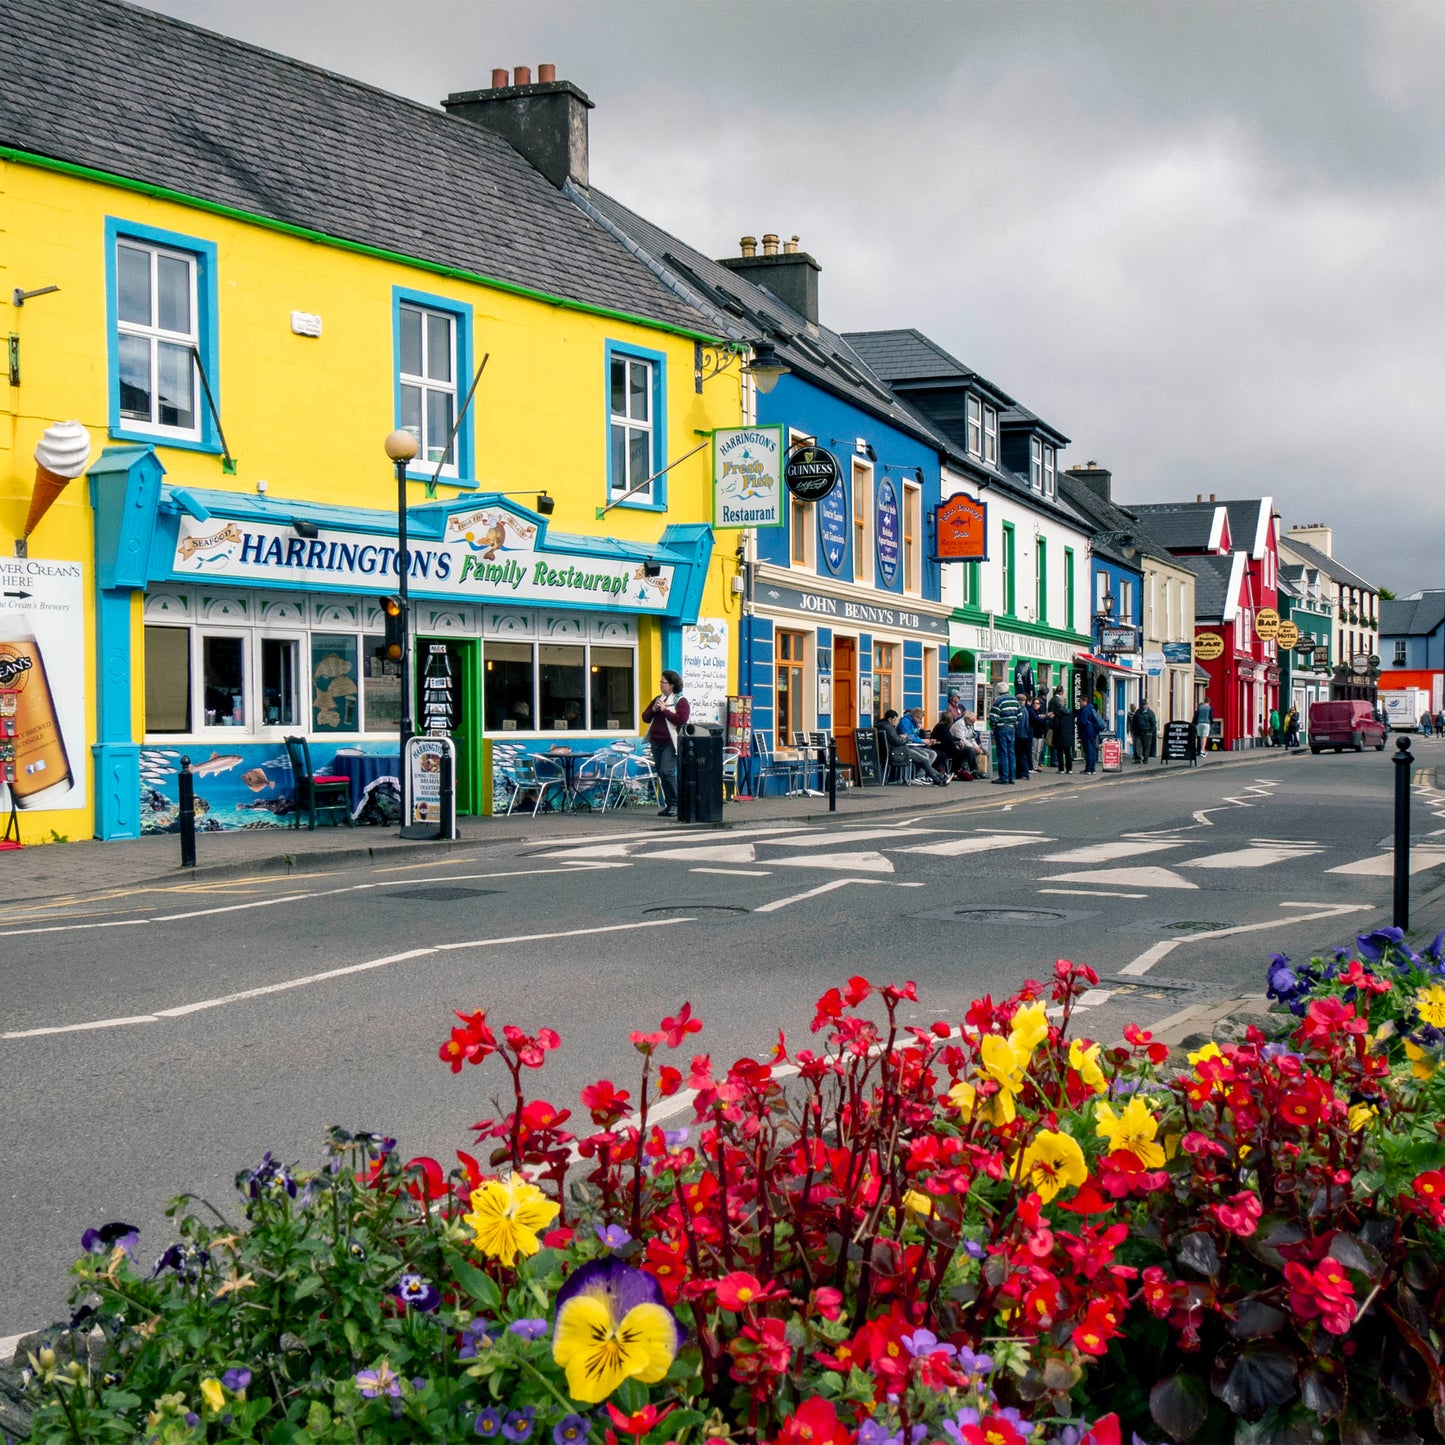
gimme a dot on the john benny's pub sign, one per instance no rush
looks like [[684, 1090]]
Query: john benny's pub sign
[[486, 553]]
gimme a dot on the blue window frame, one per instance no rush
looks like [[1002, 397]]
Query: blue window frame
[[636, 382], [431, 374], [161, 311]]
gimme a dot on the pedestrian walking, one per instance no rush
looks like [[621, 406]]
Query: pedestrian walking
[[1089, 725], [1203, 721], [1425, 725], [912, 752], [1003, 721], [1062, 741], [1291, 728], [665, 716], [1039, 727], [1131, 726], [1147, 724], [1276, 729]]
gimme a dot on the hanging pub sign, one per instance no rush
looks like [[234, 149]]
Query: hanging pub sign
[[1305, 646], [1266, 624], [1208, 646], [1287, 636], [889, 531], [1178, 652], [961, 530], [810, 472], [747, 476], [832, 515]]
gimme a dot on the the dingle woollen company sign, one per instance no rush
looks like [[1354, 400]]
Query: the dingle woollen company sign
[[1208, 646], [810, 472]]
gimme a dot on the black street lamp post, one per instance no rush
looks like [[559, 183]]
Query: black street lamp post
[[401, 447]]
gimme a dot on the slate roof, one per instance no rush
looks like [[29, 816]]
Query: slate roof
[[908, 355], [1412, 616], [1110, 517], [1211, 589], [1178, 525], [741, 310], [1336, 570], [124, 90]]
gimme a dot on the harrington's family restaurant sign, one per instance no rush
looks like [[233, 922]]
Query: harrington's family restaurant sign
[[487, 553]]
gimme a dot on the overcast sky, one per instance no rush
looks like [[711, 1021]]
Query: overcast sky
[[1202, 239]]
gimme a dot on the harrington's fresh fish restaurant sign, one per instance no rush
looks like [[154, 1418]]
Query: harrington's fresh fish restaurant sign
[[747, 476], [488, 553]]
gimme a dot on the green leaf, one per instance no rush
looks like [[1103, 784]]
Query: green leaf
[[631, 1396], [308, 1287], [482, 1287], [541, 1264]]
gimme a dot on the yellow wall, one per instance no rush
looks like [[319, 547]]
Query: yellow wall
[[309, 415]]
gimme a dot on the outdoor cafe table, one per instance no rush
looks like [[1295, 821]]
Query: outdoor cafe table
[[362, 771]]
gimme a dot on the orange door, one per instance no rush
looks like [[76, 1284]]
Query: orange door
[[845, 697]]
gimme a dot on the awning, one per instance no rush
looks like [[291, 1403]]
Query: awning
[[1090, 659]]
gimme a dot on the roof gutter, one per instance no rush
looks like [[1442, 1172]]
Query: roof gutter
[[339, 243]]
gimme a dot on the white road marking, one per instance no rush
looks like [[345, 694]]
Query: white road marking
[[1150, 957], [1106, 852], [973, 843], [1138, 877], [1383, 864], [184, 1010], [1090, 893], [1093, 997], [718, 853], [1328, 910], [1250, 857], [736, 872], [864, 862], [778, 903], [853, 835]]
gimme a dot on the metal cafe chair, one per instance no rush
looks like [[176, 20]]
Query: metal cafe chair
[[316, 793], [593, 777], [809, 762], [537, 779], [769, 765]]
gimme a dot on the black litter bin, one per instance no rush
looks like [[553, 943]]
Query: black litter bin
[[700, 775]]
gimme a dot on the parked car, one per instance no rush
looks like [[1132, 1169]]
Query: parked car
[[1341, 725]]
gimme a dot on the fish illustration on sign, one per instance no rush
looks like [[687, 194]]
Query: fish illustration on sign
[[658, 584], [216, 763], [256, 780], [191, 545], [486, 532]]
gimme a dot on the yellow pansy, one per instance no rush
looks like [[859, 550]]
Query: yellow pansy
[[963, 1096], [1030, 1028], [1209, 1051], [1422, 1064], [918, 1202], [1360, 1116], [506, 1215], [213, 1394], [1133, 1130], [1053, 1161], [612, 1325], [1430, 1005], [1085, 1063]]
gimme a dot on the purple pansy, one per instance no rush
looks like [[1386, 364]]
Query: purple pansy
[[954, 1427], [475, 1335], [186, 1258], [529, 1330], [676, 1138], [110, 1236], [924, 1343], [268, 1177], [517, 1427], [488, 1424], [972, 1364], [973, 1249], [236, 1380], [383, 1380], [613, 1236], [414, 1292]]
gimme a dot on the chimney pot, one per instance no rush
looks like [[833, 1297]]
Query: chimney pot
[[500, 79], [1199, 496], [1211, 496], [522, 75], [790, 248], [546, 125], [748, 246], [791, 276], [770, 244], [546, 74]]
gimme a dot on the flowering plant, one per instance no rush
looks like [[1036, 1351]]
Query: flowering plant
[[986, 1233]]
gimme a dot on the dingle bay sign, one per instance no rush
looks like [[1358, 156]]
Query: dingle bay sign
[[810, 472]]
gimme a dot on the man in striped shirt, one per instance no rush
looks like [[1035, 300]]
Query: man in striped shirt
[[1004, 719]]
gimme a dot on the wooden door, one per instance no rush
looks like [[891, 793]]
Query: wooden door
[[845, 697]]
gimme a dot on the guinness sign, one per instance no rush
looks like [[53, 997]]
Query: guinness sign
[[810, 472]]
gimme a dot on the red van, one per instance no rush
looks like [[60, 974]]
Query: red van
[[1341, 725]]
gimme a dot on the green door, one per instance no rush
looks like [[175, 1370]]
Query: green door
[[449, 696]]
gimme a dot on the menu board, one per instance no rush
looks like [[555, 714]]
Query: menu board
[[1178, 742], [1112, 753], [869, 773]]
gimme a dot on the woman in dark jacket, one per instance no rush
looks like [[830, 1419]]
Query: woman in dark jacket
[[1062, 739]]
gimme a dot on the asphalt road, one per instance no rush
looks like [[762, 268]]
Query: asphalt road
[[159, 1042]]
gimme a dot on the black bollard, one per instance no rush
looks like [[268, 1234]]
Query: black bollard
[[186, 789], [1404, 774], [832, 776], [448, 808]]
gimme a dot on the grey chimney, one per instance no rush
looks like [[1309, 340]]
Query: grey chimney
[[1097, 479], [546, 122], [792, 275]]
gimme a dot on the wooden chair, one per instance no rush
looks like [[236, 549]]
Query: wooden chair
[[316, 793]]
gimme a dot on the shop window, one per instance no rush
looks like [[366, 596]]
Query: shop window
[[788, 698], [613, 689], [862, 511], [161, 300], [223, 679], [280, 670], [433, 371], [563, 677], [885, 677], [912, 538], [507, 692], [380, 687], [334, 692], [168, 679], [636, 429]]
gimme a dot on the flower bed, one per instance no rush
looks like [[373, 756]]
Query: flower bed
[[980, 1235]]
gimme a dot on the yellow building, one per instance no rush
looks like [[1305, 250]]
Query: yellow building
[[240, 273]]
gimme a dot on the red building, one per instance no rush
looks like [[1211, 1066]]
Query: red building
[[1233, 550]]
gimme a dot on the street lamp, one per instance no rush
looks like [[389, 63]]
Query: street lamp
[[402, 447]]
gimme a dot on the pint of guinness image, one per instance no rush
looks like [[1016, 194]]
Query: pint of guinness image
[[42, 769]]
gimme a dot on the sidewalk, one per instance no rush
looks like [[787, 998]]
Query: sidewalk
[[57, 870]]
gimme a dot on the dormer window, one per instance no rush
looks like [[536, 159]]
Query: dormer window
[[1048, 471], [1036, 464], [990, 435], [975, 426]]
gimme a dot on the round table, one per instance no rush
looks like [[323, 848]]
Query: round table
[[362, 771]]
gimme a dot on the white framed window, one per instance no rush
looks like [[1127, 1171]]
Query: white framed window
[[1049, 471], [802, 522], [558, 687], [1126, 599], [224, 676], [975, 426], [1036, 464], [1399, 652], [427, 381], [1101, 590], [630, 426], [862, 522], [157, 319], [278, 673], [990, 435]]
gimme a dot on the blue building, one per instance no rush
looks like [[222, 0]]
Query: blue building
[[842, 616]]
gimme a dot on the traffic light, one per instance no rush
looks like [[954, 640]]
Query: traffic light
[[393, 611]]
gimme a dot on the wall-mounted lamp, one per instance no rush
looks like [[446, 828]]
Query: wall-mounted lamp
[[1126, 542], [19, 297], [765, 366], [189, 505], [652, 569], [544, 505], [860, 445], [306, 529], [917, 471], [1106, 605]]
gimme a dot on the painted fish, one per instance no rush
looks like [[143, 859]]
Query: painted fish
[[216, 763], [256, 780]]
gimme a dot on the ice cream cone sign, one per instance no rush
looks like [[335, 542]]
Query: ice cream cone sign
[[60, 456]]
